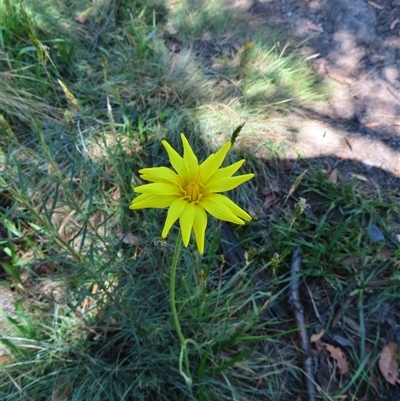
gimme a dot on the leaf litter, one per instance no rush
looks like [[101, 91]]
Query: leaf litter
[[388, 364]]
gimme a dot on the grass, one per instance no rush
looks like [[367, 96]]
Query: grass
[[92, 277]]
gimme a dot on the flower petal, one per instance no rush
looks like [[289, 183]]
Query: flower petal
[[174, 212], [189, 158], [176, 160], [158, 188], [227, 183], [213, 162], [146, 200], [227, 171], [186, 221], [159, 174], [199, 227], [224, 209]]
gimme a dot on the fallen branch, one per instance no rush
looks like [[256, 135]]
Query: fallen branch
[[299, 315]]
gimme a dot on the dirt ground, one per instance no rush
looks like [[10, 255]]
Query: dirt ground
[[356, 45]]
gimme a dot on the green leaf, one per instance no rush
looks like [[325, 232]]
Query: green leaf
[[13, 348], [12, 270]]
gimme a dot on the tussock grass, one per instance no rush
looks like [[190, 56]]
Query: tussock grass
[[94, 320]]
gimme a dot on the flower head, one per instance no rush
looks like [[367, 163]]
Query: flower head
[[190, 189]]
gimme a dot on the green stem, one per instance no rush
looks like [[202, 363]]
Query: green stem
[[184, 350]]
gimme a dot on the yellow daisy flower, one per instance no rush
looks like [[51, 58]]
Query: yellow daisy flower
[[191, 190]]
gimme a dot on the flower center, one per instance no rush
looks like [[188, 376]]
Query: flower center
[[192, 192]]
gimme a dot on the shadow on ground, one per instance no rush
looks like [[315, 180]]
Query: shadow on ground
[[356, 45]]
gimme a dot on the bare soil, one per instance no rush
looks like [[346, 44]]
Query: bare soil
[[356, 46]]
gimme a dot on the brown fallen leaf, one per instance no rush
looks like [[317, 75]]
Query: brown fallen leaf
[[5, 360], [253, 213], [315, 337], [314, 27], [338, 76], [333, 176], [176, 47], [339, 356], [127, 238], [44, 269], [359, 177], [82, 18], [388, 362], [269, 200]]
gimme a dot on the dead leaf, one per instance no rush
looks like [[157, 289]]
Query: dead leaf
[[338, 76], [224, 83], [128, 238], [273, 186], [388, 362], [176, 47], [252, 213], [314, 27], [5, 360], [315, 337], [339, 356], [269, 200], [333, 176], [44, 269], [394, 23], [82, 18], [359, 177]]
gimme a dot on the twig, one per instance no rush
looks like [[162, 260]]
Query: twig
[[299, 315]]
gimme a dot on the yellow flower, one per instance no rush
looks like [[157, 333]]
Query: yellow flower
[[191, 190]]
